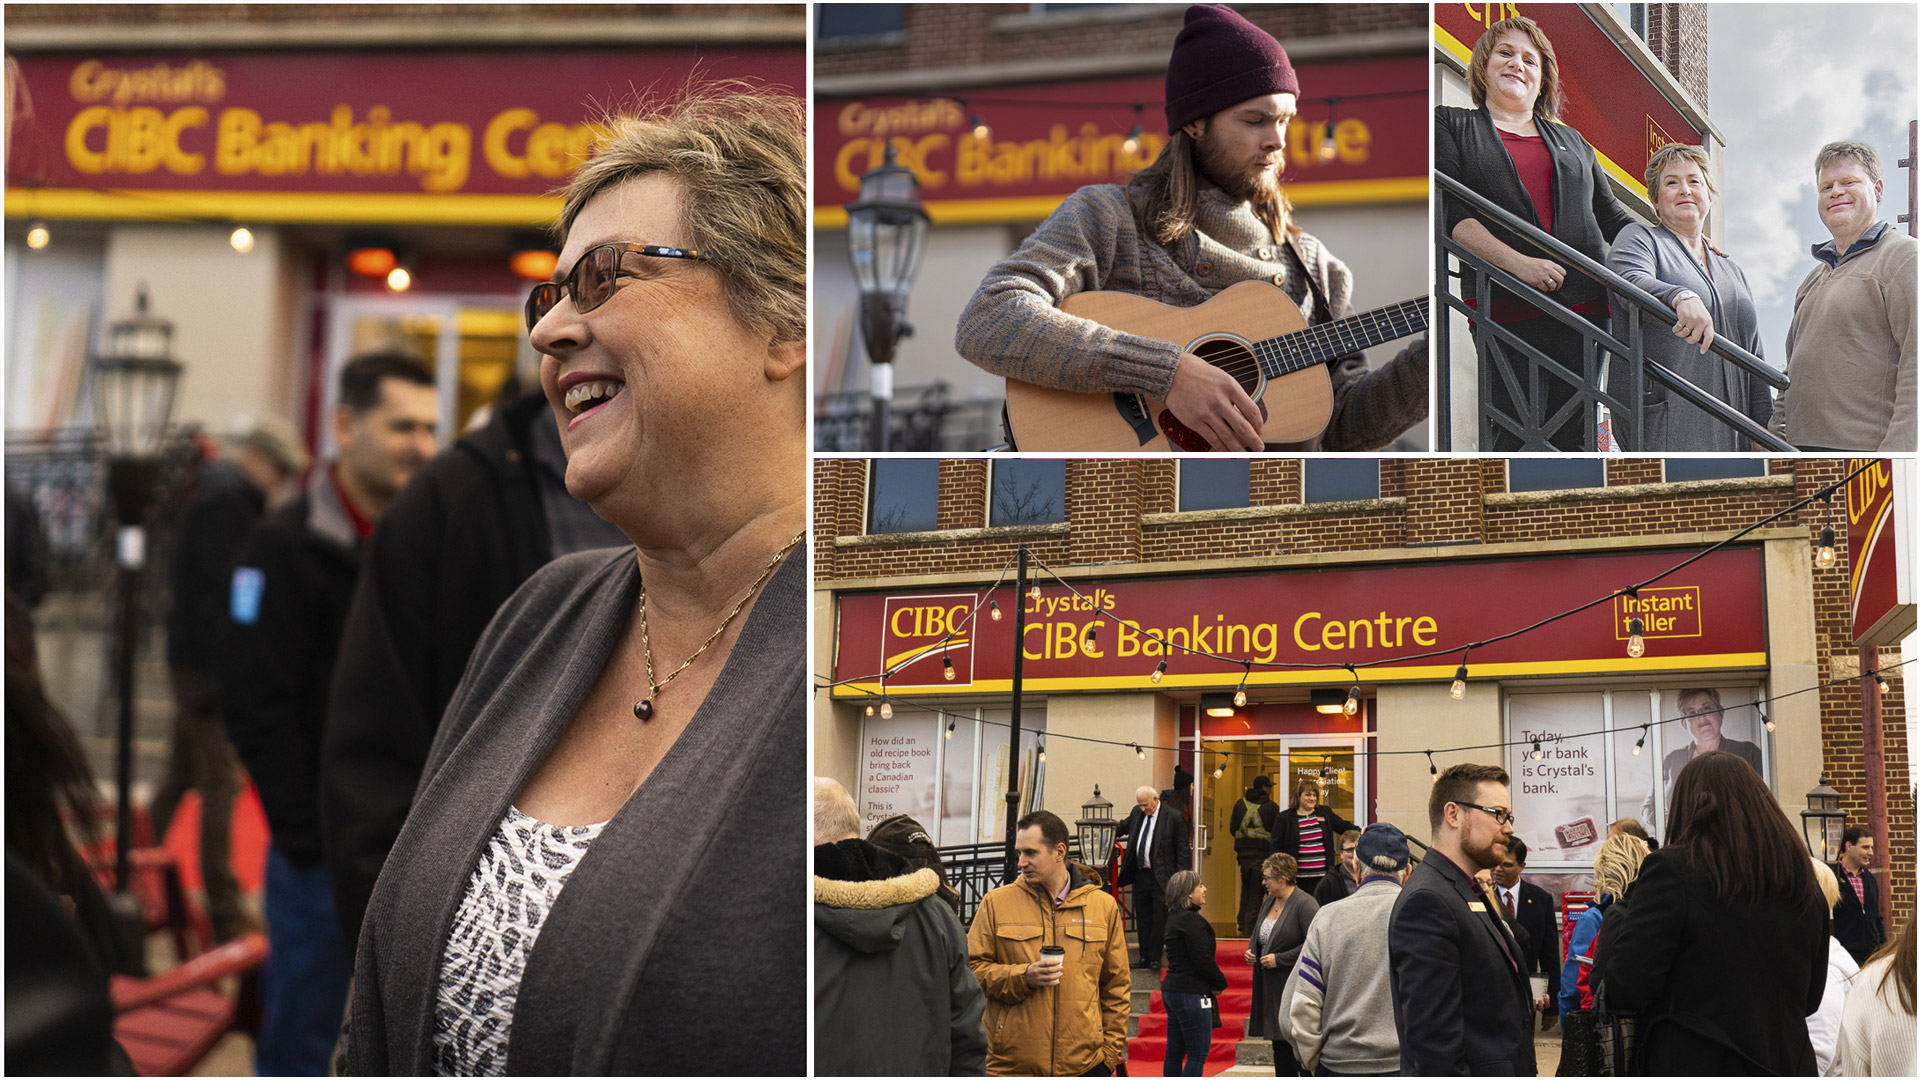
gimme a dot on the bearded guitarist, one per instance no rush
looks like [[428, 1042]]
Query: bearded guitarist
[[1207, 214]]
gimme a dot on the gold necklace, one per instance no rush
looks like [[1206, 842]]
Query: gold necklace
[[643, 709]]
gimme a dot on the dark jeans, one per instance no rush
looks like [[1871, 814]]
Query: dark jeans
[[303, 990], [1284, 1063], [1149, 916], [1562, 344], [1251, 889], [201, 759], [1189, 1033]]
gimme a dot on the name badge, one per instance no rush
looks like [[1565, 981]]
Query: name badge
[[1476, 907]]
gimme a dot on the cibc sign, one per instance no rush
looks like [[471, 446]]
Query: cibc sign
[[1880, 575]]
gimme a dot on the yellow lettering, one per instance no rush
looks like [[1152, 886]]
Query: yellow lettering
[[1044, 641], [81, 156], [493, 142], [1424, 629], [1300, 640]]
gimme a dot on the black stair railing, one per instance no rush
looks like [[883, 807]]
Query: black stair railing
[[1525, 382]]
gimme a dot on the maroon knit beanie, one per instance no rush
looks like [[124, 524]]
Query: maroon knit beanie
[[1220, 60]]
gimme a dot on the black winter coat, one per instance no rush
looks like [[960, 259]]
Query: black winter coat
[[1721, 989], [207, 533], [291, 584], [1586, 216], [1460, 1004], [1192, 964]]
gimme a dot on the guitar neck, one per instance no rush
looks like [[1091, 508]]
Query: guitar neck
[[1302, 349]]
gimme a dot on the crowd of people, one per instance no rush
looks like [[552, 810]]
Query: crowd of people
[[1725, 951], [1849, 353]]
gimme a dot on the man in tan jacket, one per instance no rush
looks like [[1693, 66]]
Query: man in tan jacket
[[1052, 1015]]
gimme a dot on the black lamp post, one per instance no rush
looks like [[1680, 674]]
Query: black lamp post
[[1096, 831], [132, 383], [1823, 822], [887, 235]]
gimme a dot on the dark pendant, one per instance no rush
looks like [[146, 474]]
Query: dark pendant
[[643, 709]]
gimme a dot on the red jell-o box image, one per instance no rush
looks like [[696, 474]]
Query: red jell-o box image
[[1577, 833]]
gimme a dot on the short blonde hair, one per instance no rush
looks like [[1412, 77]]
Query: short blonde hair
[[1617, 864], [1829, 885], [1868, 158], [1547, 105], [835, 818], [1656, 166], [1282, 867], [740, 154]]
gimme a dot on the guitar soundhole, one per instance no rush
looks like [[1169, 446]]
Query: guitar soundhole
[[1235, 359]]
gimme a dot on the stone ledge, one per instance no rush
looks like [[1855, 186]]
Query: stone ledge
[[953, 536], [1258, 513], [1623, 492]]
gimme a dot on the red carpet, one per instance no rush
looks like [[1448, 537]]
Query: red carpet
[[248, 840], [1147, 1051]]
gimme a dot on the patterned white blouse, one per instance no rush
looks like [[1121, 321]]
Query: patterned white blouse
[[514, 885]]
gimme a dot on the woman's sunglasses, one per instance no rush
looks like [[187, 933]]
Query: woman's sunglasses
[[594, 278]]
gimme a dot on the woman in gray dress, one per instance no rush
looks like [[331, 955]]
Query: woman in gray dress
[[1708, 294]]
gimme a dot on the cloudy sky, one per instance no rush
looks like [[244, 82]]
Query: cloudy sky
[[1784, 79]]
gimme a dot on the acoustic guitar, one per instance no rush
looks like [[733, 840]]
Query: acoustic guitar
[[1253, 331]]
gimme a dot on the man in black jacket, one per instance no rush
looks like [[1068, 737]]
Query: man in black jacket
[[1254, 819], [1856, 918], [291, 583], [1461, 1001], [1159, 848], [467, 531], [1531, 908]]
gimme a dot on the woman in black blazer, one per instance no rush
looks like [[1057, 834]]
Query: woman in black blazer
[[1193, 975], [1511, 151], [1306, 815], [1720, 946]]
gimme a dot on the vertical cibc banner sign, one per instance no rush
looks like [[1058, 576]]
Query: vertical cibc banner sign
[[1880, 549]]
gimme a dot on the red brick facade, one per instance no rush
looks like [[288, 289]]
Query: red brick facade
[[1677, 37], [1120, 510]]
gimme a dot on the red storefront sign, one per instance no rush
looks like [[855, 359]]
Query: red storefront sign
[[1879, 510], [1709, 615], [1608, 100], [328, 124], [1046, 140]]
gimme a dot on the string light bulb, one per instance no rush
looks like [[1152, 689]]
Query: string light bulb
[[1640, 743], [1885, 686], [1432, 769], [1221, 768], [993, 609], [946, 662], [1240, 693], [1139, 751], [1538, 754], [1825, 557], [949, 733], [37, 235], [980, 129], [1327, 151], [1092, 633], [241, 239], [886, 709], [1034, 592], [1159, 671], [1459, 682], [1767, 720], [1636, 645], [869, 708], [1352, 707], [1043, 752]]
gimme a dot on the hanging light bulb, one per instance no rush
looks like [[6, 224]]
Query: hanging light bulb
[[399, 279], [241, 239], [1432, 769], [1636, 645], [949, 728], [993, 609], [1043, 752], [1825, 557], [1159, 671], [869, 708], [980, 129], [1768, 720], [1239, 698], [1327, 151], [1353, 700], [1131, 144], [1140, 751], [886, 709], [946, 662], [1459, 682], [1034, 593], [1091, 633], [37, 235], [1640, 743], [1538, 754], [1220, 768], [1885, 686]]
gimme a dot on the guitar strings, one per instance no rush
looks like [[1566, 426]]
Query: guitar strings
[[1323, 342]]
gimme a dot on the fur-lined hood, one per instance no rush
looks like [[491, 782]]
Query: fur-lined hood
[[862, 894]]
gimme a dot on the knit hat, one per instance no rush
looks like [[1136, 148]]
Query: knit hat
[[1382, 847], [903, 836], [1220, 60]]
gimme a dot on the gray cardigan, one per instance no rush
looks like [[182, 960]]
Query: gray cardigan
[[690, 905], [1656, 260]]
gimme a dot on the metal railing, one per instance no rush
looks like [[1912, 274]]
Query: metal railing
[[933, 422], [1627, 404], [973, 870]]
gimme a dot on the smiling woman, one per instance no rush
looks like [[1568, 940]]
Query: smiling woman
[[625, 703]]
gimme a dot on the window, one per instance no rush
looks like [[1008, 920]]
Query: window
[[1680, 470], [1635, 18], [903, 495], [1214, 483], [858, 20], [1339, 479], [1028, 491], [956, 785], [1555, 474]]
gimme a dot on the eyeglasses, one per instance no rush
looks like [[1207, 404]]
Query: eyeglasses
[[594, 278], [1503, 817]]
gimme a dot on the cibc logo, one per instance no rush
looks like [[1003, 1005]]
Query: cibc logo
[[931, 632]]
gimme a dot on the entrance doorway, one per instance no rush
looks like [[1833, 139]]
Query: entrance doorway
[[471, 344], [1332, 760]]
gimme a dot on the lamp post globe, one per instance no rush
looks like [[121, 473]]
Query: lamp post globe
[[1095, 829], [1823, 822], [886, 237]]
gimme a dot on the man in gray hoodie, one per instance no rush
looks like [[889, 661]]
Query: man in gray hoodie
[[892, 992], [1341, 993]]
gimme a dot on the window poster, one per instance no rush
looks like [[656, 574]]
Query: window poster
[[1560, 800], [995, 763], [1708, 718], [898, 769]]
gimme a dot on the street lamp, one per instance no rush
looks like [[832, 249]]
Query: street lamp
[[1823, 822], [1096, 831], [886, 234], [132, 383]]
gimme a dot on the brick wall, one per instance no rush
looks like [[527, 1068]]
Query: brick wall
[[1677, 37], [1424, 501]]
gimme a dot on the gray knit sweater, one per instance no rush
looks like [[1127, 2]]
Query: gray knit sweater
[[1013, 328], [1340, 996], [1850, 352]]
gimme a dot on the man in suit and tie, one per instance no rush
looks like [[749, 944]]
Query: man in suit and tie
[[1157, 849], [1461, 1000], [1531, 908], [1856, 918]]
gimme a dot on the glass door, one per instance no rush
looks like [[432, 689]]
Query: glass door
[[472, 346], [1226, 770]]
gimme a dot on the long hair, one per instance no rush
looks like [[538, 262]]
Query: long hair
[[1168, 195], [1617, 864], [1900, 967], [48, 782], [1180, 890], [1547, 105], [1732, 830]]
